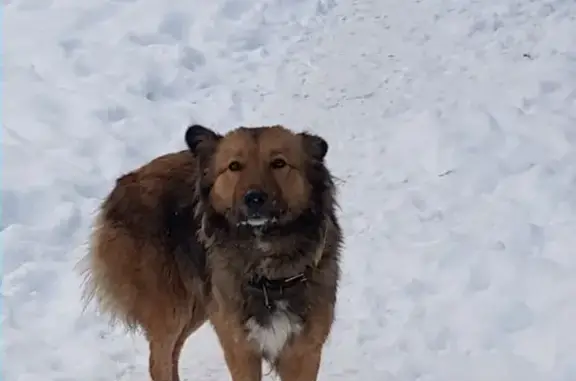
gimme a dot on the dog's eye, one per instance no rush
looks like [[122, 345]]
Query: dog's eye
[[234, 166], [278, 163]]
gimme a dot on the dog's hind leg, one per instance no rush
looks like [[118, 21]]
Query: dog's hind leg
[[196, 322], [166, 336], [161, 356]]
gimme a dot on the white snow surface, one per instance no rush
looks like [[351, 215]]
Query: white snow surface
[[452, 131]]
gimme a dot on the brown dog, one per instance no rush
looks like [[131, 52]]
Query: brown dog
[[240, 230]]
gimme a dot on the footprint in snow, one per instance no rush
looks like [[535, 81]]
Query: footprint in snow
[[191, 58], [516, 317], [112, 114], [249, 42], [234, 9], [175, 25], [95, 15], [172, 29], [70, 45]]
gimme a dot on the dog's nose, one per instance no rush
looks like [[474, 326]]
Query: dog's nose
[[254, 199]]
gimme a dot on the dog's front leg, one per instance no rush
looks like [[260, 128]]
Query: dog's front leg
[[300, 360], [243, 362]]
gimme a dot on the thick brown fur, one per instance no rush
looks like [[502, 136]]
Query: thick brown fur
[[175, 246]]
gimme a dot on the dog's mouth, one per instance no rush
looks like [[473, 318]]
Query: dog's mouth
[[258, 221], [261, 220]]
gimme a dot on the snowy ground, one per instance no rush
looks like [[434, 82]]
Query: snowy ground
[[452, 127]]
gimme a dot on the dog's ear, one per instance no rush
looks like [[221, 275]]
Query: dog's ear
[[201, 140], [314, 145]]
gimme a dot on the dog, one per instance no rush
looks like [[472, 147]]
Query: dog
[[239, 230]]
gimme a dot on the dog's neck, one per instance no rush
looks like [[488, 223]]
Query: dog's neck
[[276, 283], [278, 253], [285, 257]]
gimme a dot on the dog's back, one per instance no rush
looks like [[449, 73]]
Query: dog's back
[[146, 267]]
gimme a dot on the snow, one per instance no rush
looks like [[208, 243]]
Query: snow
[[452, 130]]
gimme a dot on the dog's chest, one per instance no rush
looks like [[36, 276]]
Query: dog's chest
[[271, 336]]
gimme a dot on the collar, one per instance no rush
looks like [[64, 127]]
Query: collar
[[274, 289]]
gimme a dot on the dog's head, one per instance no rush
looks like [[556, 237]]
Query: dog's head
[[260, 178]]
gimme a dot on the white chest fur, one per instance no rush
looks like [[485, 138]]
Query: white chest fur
[[272, 338]]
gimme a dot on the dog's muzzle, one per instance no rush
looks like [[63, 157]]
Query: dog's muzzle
[[256, 209]]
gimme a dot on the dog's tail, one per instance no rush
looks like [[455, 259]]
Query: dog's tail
[[96, 285]]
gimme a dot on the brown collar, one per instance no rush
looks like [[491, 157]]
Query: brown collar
[[275, 289]]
